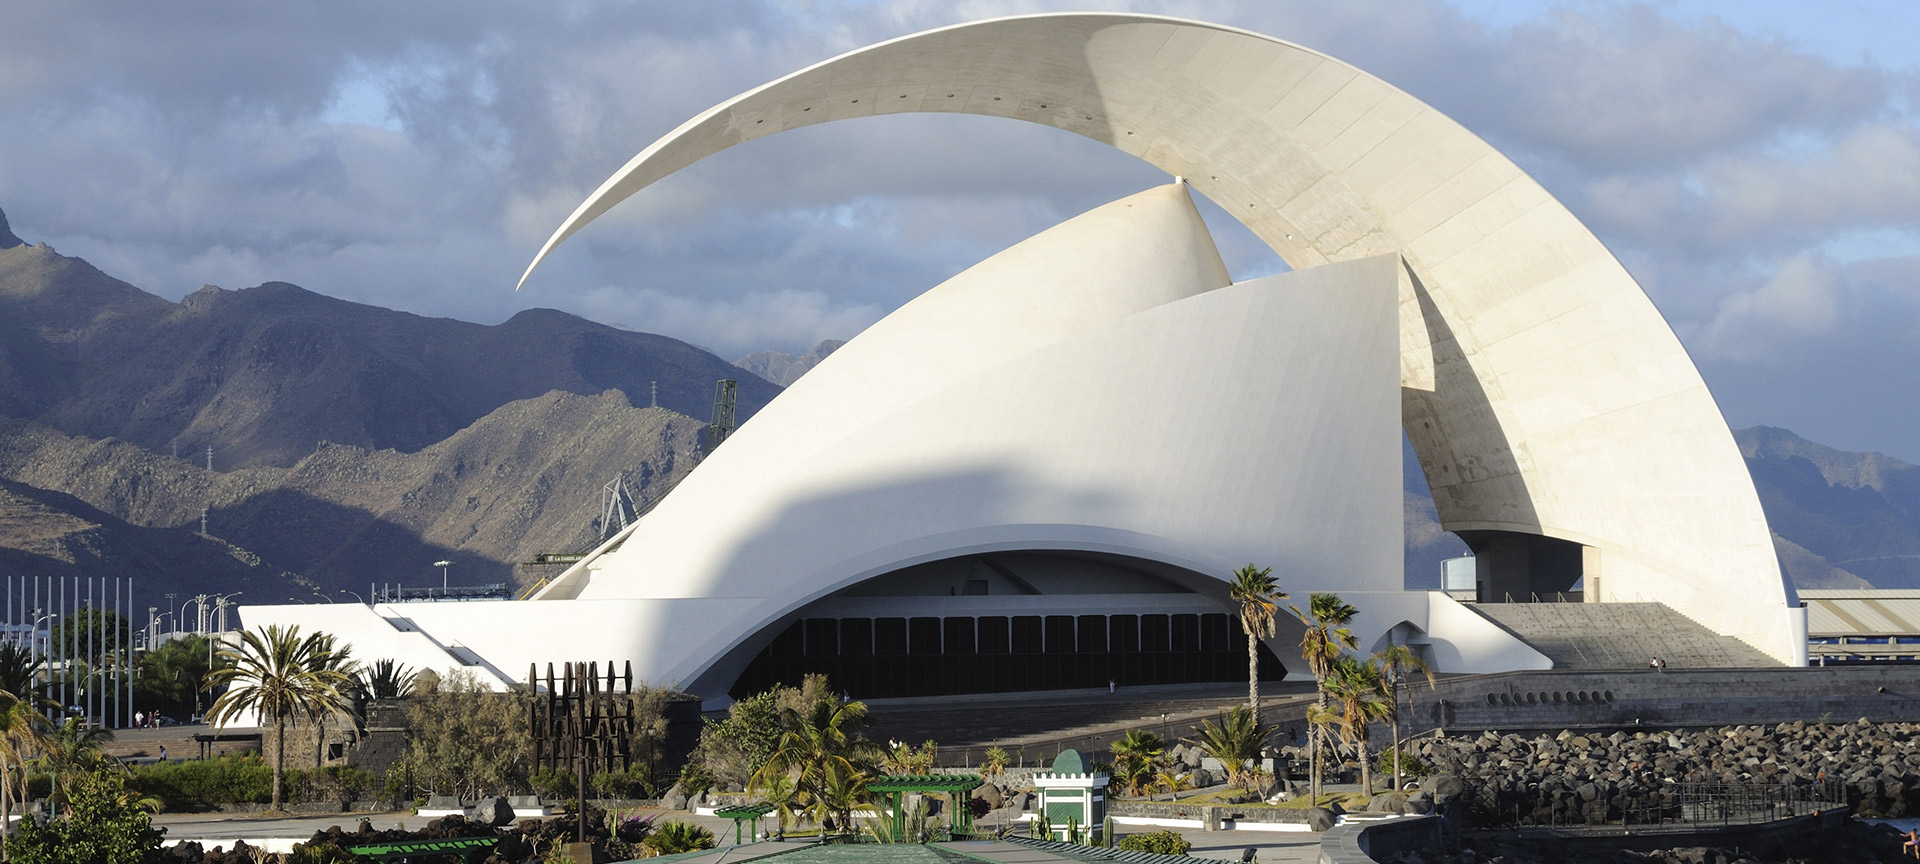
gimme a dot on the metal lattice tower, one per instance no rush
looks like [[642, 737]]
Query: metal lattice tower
[[723, 402], [616, 506]]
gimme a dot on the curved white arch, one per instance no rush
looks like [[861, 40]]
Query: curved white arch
[[1542, 390]]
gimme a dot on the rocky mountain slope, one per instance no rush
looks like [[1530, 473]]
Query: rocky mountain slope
[[264, 375], [523, 480], [52, 535], [1846, 518], [357, 445], [784, 369]]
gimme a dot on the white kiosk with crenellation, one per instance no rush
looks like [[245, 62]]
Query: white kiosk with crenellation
[[1073, 800]]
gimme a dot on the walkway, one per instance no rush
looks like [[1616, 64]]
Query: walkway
[[279, 833]]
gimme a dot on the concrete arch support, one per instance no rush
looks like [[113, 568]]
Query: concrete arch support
[[1541, 388]]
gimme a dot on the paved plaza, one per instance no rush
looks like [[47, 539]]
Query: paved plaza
[[279, 833]]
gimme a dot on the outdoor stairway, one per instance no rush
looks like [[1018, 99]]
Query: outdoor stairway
[[1619, 636], [1041, 722], [136, 743]]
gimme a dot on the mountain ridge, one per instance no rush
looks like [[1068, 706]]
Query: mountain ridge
[[355, 444], [265, 373]]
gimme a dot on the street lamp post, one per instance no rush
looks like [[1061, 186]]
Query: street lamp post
[[220, 608], [443, 565], [180, 620]]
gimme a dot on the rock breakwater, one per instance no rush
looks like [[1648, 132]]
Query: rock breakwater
[[1592, 777]]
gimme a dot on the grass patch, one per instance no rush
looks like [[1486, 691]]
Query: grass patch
[[1347, 800]]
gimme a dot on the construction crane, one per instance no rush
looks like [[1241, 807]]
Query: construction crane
[[723, 402]]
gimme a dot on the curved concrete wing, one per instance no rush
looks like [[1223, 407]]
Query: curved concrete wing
[[1117, 260], [1542, 390]]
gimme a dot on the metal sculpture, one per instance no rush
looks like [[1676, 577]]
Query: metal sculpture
[[582, 722]]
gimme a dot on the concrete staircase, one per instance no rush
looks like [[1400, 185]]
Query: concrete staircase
[[1043, 721], [1619, 636]]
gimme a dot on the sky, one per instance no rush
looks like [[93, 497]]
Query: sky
[[1755, 165]]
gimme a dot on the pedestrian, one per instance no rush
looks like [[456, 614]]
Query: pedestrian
[[139, 719], [163, 752], [1110, 686]]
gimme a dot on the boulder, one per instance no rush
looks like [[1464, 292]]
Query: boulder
[[675, 799], [1420, 803], [1443, 787], [493, 810], [990, 794], [1388, 802], [1202, 778], [1320, 818]]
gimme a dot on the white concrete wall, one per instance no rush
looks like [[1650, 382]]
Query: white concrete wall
[[1462, 641], [1081, 403]]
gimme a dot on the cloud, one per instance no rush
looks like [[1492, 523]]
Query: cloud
[[1799, 302], [415, 155]]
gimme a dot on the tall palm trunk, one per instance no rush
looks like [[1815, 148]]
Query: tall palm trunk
[[6, 807], [1366, 770], [279, 757], [1315, 739], [1393, 720], [1253, 672]]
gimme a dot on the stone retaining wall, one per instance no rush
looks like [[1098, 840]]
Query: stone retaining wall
[[1674, 697], [1368, 842]]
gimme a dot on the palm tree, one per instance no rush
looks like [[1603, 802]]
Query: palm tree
[[672, 838], [338, 660], [74, 749], [1236, 741], [778, 792], [996, 763], [1253, 591], [822, 751], [841, 790], [21, 731], [1135, 756], [1361, 692], [1326, 637], [19, 670], [1394, 662], [278, 675], [385, 679], [1174, 781]]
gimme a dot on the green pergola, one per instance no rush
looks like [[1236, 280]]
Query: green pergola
[[741, 814], [470, 848], [955, 786]]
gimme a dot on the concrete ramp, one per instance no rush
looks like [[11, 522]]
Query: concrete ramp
[[1619, 636]]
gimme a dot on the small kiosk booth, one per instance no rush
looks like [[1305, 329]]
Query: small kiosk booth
[[1072, 797]]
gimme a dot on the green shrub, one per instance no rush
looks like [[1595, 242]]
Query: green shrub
[[100, 824], [1410, 765], [1162, 842], [554, 784], [331, 783], [203, 783], [397, 783], [631, 783], [694, 777], [672, 838]]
